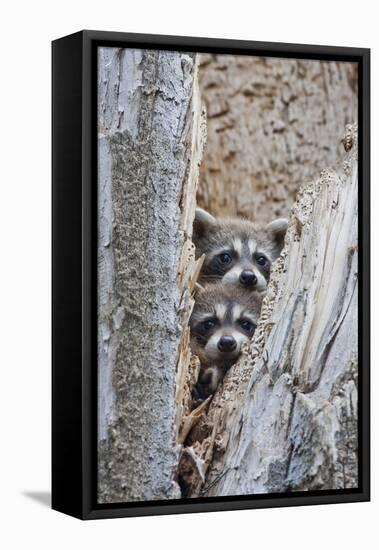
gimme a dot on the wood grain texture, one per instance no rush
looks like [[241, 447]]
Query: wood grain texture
[[150, 134], [285, 417], [273, 125]]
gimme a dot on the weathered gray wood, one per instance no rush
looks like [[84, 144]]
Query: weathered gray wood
[[285, 418], [149, 141]]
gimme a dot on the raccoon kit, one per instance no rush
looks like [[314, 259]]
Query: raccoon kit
[[223, 319], [237, 251]]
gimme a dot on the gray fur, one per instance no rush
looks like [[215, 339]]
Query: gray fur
[[214, 236], [228, 306]]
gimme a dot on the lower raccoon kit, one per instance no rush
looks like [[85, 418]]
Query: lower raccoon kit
[[237, 251], [223, 319]]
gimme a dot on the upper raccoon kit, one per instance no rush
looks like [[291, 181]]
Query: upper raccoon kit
[[224, 318], [237, 251]]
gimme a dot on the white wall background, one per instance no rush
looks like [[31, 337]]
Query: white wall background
[[27, 29]]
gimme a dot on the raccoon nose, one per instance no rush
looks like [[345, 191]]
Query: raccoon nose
[[248, 278], [227, 343]]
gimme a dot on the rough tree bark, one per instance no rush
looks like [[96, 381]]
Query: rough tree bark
[[285, 417], [150, 136], [273, 124]]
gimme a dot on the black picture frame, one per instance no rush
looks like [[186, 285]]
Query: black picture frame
[[74, 175]]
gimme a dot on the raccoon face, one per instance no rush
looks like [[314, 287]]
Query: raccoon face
[[237, 251], [223, 319]]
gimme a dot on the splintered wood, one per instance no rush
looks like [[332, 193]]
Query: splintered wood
[[151, 131], [285, 416], [189, 268]]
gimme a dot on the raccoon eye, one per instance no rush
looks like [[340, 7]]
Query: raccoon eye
[[247, 325], [209, 324], [261, 260], [225, 258]]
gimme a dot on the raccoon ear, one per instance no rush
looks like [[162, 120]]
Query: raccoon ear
[[201, 223], [278, 229]]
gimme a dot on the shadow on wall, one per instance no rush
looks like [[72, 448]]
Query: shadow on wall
[[41, 497]]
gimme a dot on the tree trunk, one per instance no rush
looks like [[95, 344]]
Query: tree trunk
[[273, 124], [285, 417], [150, 136]]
